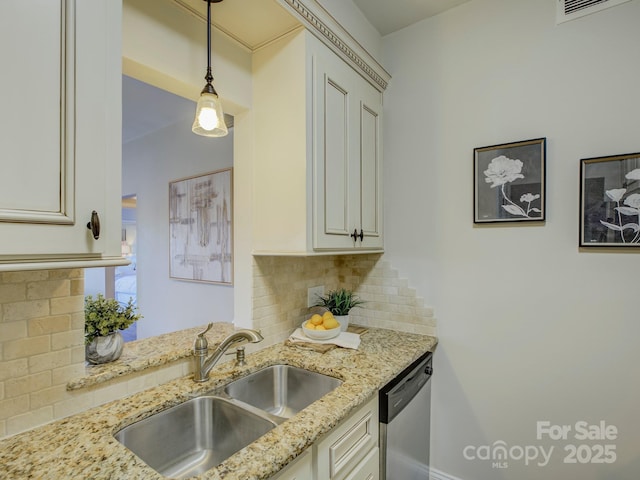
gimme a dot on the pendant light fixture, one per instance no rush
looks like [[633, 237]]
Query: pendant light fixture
[[209, 121]]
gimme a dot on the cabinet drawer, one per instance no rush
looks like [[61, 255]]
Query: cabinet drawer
[[367, 469], [349, 443]]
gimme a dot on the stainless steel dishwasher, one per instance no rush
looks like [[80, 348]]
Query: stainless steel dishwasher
[[405, 423]]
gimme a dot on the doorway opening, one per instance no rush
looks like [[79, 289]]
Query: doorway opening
[[121, 282]]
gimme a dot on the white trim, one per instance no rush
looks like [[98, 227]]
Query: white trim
[[46, 262], [438, 475], [326, 28]]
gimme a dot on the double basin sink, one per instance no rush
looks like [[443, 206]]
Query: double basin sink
[[202, 432]]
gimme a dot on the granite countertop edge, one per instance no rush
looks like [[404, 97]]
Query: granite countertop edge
[[83, 446], [150, 352]]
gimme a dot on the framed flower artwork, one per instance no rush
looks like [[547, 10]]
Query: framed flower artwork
[[509, 182], [610, 201]]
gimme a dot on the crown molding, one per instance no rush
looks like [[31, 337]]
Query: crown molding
[[320, 22]]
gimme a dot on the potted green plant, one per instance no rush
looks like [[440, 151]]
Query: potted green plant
[[339, 302], [103, 320]]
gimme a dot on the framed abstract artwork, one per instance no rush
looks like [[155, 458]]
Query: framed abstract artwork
[[509, 182], [610, 201], [201, 227]]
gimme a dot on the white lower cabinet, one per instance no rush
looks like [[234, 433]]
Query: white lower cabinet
[[300, 469], [367, 469], [348, 452]]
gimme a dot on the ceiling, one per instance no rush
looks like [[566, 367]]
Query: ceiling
[[388, 16], [244, 20], [146, 109]]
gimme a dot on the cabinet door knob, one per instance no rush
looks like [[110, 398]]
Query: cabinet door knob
[[94, 225], [355, 235]]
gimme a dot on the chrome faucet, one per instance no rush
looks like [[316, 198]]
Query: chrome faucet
[[201, 347]]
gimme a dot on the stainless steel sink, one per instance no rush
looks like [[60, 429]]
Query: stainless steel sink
[[281, 390], [204, 431], [193, 437]]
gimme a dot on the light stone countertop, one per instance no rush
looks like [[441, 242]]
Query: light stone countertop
[[150, 352], [83, 446]]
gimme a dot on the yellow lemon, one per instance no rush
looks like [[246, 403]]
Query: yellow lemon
[[316, 319], [310, 325], [330, 323], [327, 314], [320, 327]]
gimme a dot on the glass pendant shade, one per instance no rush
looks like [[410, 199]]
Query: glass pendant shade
[[209, 121]]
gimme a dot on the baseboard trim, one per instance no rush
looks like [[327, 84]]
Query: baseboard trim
[[438, 475]]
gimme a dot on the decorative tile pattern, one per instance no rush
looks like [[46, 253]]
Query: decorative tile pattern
[[281, 283], [37, 342]]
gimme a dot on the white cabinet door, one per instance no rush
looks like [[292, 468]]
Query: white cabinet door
[[345, 452], [370, 188], [348, 452], [335, 179], [346, 164], [60, 124]]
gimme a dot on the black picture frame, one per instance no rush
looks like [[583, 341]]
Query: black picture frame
[[610, 201], [509, 182]]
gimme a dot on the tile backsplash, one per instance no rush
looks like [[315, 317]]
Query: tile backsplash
[[281, 283], [42, 349], [41, 344]]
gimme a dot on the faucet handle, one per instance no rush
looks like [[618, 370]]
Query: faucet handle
[[202, 333], [201, 342]]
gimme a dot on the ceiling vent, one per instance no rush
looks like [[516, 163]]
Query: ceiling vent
[[572, 9]]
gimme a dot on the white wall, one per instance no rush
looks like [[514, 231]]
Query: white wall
[[149, 164], [530, 327]]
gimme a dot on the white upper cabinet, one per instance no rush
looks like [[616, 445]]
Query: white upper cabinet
[[347, 202], [61, 128], [317, 170]]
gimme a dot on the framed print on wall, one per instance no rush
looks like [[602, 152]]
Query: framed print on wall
[[509, 182], [200, 228], [610, 201]]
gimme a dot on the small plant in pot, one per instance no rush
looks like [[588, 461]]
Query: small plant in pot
[[340, 302], [103, 320]]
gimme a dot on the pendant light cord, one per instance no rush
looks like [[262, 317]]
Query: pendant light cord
[[209, 77]]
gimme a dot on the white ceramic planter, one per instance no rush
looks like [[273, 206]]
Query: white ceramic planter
[[344, 322], [104, 349]]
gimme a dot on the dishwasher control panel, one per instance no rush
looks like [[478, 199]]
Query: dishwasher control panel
[[396, 394]]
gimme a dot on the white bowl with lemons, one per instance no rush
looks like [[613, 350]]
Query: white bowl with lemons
[[321, 327]]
